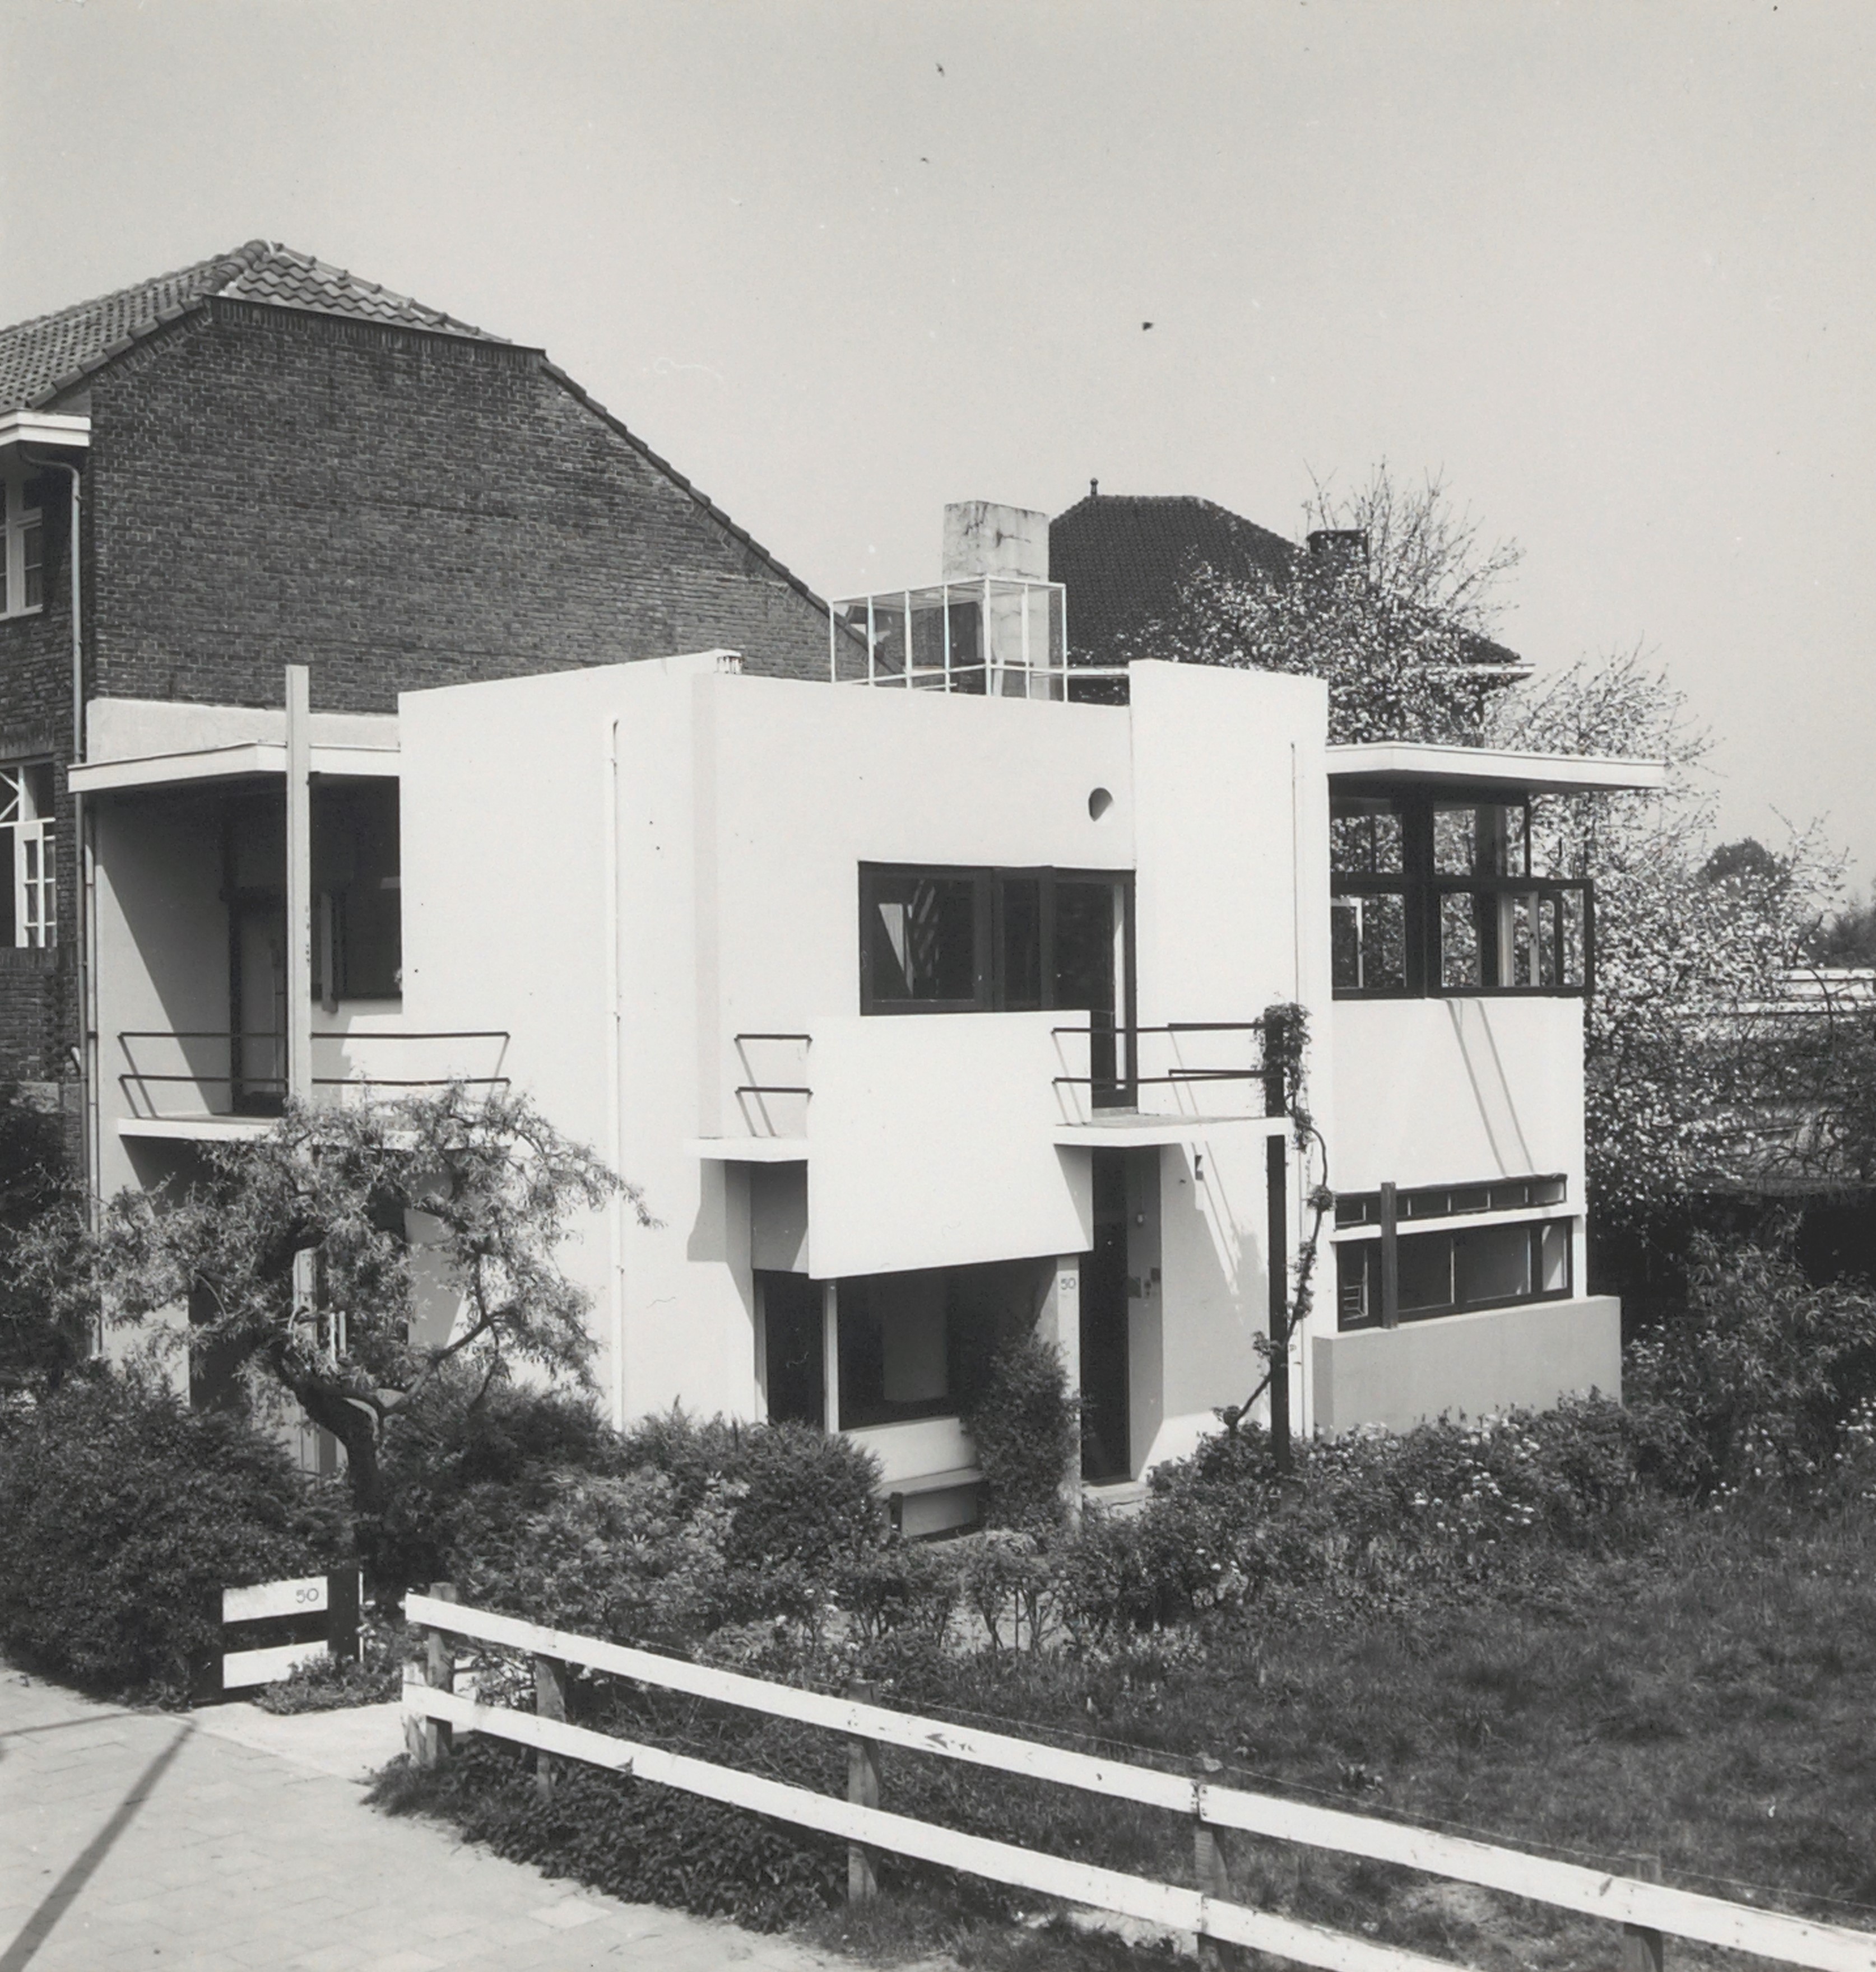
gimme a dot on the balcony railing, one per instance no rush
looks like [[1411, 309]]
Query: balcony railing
[[253, 1078], [995, 636]]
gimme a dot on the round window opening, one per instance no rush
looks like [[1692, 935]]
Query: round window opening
[[1099, 801]]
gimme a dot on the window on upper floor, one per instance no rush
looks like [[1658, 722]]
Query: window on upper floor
[[939, 939], [357, 945], [29, 903], [22, 576], [1435, 894]]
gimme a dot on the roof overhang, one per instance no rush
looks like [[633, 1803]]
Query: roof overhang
[[1384, 764], [48, 431], [242, 761]]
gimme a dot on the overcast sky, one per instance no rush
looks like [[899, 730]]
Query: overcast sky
[[1608, 266]]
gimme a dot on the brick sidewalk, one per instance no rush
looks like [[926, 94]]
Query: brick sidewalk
[[156, 1840]]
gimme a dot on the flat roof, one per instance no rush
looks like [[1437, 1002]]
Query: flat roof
[[1411, 763], [239, 762]]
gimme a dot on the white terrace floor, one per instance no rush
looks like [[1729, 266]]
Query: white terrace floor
[[225, 1838]]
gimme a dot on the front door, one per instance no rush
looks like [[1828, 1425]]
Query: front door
[[1104, 1447]]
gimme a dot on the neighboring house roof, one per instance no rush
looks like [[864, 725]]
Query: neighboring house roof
[[49, 354], [1123, 556], [52, 354]]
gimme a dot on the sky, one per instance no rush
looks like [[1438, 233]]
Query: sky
[[1609, 268]]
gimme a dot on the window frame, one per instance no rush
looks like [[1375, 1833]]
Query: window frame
[[32, 828], [1375, 1224], [19, 520], [1422, 887], [989, 986]]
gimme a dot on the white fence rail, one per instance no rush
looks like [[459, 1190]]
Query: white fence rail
[[1645, 1909]]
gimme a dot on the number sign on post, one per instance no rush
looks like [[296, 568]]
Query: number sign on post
[[269, 1628]]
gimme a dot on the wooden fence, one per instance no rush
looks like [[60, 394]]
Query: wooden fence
[[1646, 1910]]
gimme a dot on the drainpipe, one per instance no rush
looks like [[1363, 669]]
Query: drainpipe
[[83, 860], [615, 1126]]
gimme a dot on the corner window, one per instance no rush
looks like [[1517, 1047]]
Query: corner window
[[22, 567], [28, 903], [1436, 895]]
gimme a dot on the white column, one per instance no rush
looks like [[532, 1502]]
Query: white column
[[299, 886]]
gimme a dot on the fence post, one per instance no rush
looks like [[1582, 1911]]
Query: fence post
[[863, 1791], [1642, 1949], [1209, 1871], [430, 1740], [550, 1703]]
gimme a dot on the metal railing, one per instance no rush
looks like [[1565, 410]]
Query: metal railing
[[135, 1078]]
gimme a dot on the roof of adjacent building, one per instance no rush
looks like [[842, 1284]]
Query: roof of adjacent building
[[51, 353], [1123, 556]]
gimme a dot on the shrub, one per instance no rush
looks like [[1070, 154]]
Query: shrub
[[621, 1558], [1026, 1425], [1760, 1381], [461, 1433], [123, 1514]]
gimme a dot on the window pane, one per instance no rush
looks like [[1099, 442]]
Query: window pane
[[1480, 840], [921, 934], [34, 566], [1425, 1265], [1364, 839], [1356, 1306], [1553, 1258], [1020, 899], [894, 1354], [1356, 1208], [791, 1314], [1461, 959], [1368, 944], [1492, 1264], [1084, 946], [355, 867], [1546, 1191]]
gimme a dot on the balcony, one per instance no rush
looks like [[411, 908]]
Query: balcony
[[207, 1083]]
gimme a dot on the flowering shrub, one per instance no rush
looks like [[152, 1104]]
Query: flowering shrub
[[1763, 1381]]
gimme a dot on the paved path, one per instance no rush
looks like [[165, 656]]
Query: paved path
[[226, 1839]]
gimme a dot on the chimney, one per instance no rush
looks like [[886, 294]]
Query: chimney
[[983, 538], [1337, 551]]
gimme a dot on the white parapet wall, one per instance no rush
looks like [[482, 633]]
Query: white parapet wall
[[1472, 1366]]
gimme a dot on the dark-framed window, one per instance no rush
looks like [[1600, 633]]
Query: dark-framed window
[[1432, 894], [1455, 1270]]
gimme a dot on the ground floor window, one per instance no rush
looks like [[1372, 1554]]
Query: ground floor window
[[909, 1345], [1392, 1274]]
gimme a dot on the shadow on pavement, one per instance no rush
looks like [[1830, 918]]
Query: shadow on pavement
[[59, 1899]]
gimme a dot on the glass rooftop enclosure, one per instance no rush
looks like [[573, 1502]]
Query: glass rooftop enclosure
[[998, 636]]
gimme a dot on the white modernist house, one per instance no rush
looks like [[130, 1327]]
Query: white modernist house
[[922, 1006]]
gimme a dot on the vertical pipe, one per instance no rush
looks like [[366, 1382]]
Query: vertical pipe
[[1390, 1259], [615, 1125], [1277, 1240]]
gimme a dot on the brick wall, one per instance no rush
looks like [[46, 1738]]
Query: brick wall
[[395, 510], [38, 996]]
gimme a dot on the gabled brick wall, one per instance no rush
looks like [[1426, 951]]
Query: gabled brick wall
[[394, 509]]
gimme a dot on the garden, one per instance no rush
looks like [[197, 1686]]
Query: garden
[[1591, 1632]]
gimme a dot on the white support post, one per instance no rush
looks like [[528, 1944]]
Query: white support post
[[299, 886]]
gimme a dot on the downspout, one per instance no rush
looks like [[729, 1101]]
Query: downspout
[[615, 1145]]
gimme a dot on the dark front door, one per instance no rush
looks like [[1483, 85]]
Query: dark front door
[[1104, 1449]]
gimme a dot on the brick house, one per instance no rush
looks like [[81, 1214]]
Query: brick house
[[269, 460]]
